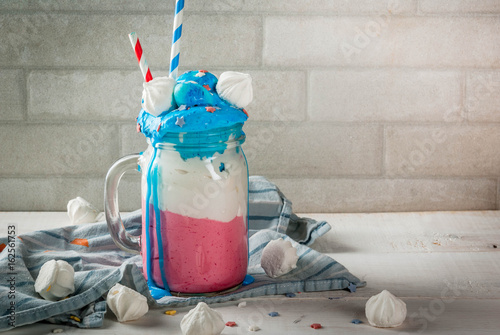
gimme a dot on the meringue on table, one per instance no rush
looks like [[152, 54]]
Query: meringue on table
[[278, 258], [385, 310], [202, 320], [81, 211]]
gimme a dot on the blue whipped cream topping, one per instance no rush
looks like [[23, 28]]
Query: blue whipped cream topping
[[198, 116], [197, 108]]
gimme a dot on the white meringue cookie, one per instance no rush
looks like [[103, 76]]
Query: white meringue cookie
[[202, 320], [278, 258], [81, 211], [56, 280], [385, 310], [126, 303], [158, 95], [235, 88]]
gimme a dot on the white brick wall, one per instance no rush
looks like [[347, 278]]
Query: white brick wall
[[360, 105]]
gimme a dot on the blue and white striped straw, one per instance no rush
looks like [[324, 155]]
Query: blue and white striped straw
[[176, 39]]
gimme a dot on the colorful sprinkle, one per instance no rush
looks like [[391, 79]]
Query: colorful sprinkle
[[242, 304], [138, 128], [77, 319], [231, 324], [253, 328], [57, 331], [316, 326], [222, 167], [290, 295], [356, 321], [2, 246], [244, 111], [273, 314], [159, 126], [180, 121], [203, 71], [181, 107], [171, 312], [210, 109], [352, 287], [80, 241], [207, 87]]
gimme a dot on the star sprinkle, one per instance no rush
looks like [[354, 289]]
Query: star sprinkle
[[207, 87], [352, 287], [200, 73], [171, 312], [181, 107], [231, 324], [138, 128], [356, 321], [316, 326], [180, 121], [273, 314], [290, 295], [210, 109], [222, 167]]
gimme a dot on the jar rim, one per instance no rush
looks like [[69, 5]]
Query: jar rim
[[227, 136]]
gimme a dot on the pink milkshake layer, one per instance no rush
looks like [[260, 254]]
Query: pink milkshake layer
[[200, 255]]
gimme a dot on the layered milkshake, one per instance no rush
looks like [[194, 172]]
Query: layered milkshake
[[195, 181]]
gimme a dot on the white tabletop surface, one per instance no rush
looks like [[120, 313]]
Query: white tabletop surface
[[444, 265]]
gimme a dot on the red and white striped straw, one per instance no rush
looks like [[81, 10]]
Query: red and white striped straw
[[136, 45]]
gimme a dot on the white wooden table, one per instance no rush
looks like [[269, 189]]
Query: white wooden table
[[444, 265]]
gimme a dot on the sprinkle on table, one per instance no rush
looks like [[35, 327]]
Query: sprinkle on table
[[316, 326], [352, 287], [356, 321], [171, 312], [222, 167], [290, 295], [231, 324], [273, 314]]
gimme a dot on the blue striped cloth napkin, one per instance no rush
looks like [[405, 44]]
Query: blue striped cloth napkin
[[99, 264]]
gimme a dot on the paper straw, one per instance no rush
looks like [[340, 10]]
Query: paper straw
[[176, 39], [136, 45]]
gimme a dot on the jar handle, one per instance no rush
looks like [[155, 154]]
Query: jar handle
[[121, 237]]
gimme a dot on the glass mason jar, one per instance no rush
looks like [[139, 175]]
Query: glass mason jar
[[194, 194]]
